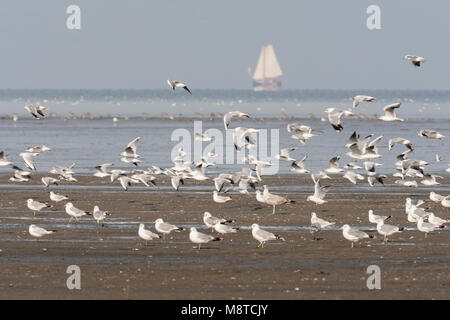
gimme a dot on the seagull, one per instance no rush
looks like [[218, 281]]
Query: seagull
[[415, 60], [260, 196], [38, 149], [299, 166], [3, 161], [223, 228], [36, 111], [199, 238], [284, 155], [435, 197], [334, 116], [130, 150], [165, 228], [387, 229], [36, 205], [101, 170], [430, 180], [389, 113], [175, 182], [352, 176], [147, 235], [438, 158], [220, 199], [240, 133], [430, 134], [177, 84], [361, 98], [38, 232], [376, 178], [318, 176], [49, 180], [99, 215], [263, 236], [373, 218], [74, 212], [436, 220], [273, 199], [354, 235], [126, 181], [302, 132], [427, 226], [28, 159], [211, 221], [57, 197], [233, 114], [446, 202], [322, 223], [352, 166], [399, 140], [319, 193], [334, 165]]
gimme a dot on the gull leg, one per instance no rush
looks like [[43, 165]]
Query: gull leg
[[262, 245], [426, 233], [199, 245], [352, 244], [385, 239], [146, 243], [259, 245], [273, 211]]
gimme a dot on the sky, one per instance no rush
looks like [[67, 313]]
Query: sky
[[211, 44]]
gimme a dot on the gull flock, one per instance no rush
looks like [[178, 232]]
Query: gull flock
[[362, 150]]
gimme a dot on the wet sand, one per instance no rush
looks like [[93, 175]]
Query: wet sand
[[115, 264]]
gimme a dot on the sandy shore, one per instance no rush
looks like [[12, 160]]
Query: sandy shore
[[116, 265]]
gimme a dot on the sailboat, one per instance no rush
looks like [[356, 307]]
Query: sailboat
[[267, 76]]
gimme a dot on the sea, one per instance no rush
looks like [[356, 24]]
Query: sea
[[80, 127]]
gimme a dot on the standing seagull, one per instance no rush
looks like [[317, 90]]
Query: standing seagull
[[387, 229], [353, 235], [263, 236], [74, 212], [361, 98], [57, 197], [165, 228], [273, 199], [233, 114], [176, 84], [3, 161], [99, 215], [211, 221], [147, 234], [38, 232], [415, 60], [199, 238], [36, 205], [322, 223], [389, 113]]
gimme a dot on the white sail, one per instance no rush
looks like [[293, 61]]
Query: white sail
[[272, 67], [267, 76], [259, 71]]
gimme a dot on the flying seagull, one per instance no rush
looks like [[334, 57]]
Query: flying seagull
[[389, 113], [361, 98], [177, 84], [415, 60], [233, 114]]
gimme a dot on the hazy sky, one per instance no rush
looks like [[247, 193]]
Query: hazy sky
[[210, 44]]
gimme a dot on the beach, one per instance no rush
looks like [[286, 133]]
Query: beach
[[115, 263]]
